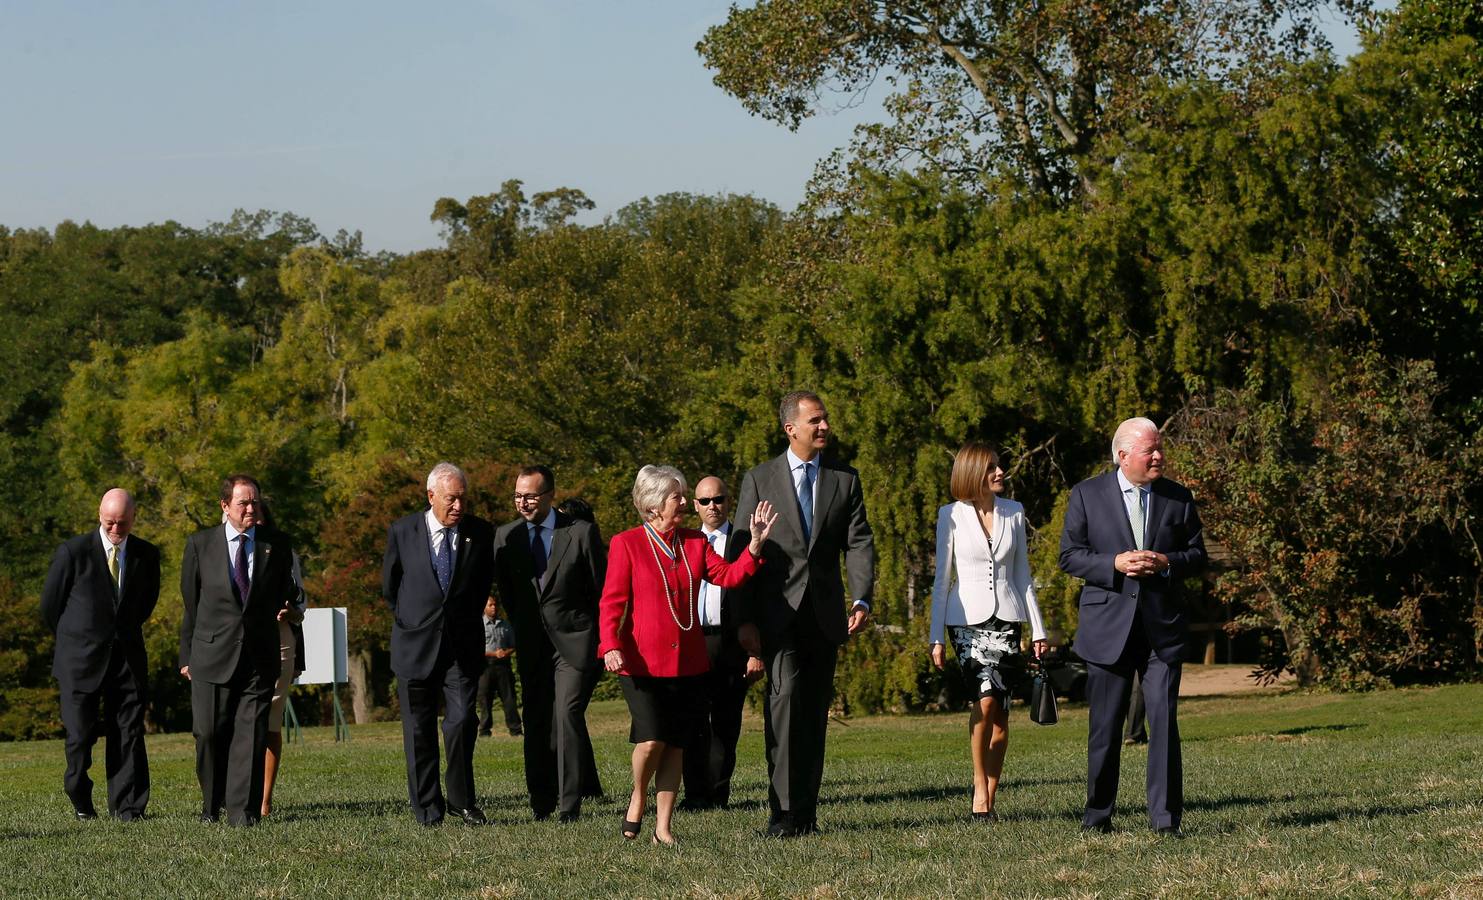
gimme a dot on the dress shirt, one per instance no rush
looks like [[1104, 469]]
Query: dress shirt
[[232, 550], [710, 594], [795, 465], [548, 531], [1131, 500], [435, 535], [120, 551], [497, 636]]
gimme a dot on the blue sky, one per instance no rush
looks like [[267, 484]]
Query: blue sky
[[360, 115]]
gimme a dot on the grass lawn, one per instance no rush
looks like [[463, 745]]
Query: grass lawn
[[1288, 794]]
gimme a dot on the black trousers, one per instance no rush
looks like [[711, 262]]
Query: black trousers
[[419, 698], [122, 724], [498, 676], [230, 723], [710, 757], [800, 688], [559, 764], [1109, 688]]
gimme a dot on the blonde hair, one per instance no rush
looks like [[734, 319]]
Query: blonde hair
[[971, 468]]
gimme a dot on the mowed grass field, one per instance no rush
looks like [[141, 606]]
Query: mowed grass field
[[1288, 795]]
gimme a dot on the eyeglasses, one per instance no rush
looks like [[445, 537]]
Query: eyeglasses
[[530, 498], [707, 501]]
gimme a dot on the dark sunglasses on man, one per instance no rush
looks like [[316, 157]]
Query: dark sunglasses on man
[[707, 501]]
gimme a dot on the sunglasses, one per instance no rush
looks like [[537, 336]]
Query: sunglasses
[[707, 501]]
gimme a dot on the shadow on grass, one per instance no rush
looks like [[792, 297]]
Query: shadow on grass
[[1308, 729], [1310, 818]]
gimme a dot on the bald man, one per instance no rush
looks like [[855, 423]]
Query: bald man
[[101, 588]]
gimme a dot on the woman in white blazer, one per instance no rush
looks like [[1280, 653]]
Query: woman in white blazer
[[982, 597]]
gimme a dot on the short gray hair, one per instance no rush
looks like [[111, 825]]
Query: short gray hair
[[653, 484], [1122, 439], [788, 408], [444, 471]]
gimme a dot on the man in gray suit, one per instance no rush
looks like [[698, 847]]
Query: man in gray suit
[[549, 568], [792, 613], [235, 578], [1133, 535]]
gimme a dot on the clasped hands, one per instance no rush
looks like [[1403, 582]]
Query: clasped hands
[[1140, 563]]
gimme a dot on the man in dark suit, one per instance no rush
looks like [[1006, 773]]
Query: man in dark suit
[[792, 613], [436, 576], [234, 579], [710, 758], [101, 588], [1133, 536], [550, 569]]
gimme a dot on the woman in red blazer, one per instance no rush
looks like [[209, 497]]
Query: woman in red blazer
[[650, 634]]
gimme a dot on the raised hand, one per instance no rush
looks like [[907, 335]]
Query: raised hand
[[762, 519]]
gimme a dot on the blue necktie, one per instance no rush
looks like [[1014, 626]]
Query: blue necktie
[[443, 561], [537, 552], [239, 571], [806, 498]]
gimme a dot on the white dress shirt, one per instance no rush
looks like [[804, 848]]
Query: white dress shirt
[[249, 536], [795, 465], [710, 594], [121, 553], [435, 535]]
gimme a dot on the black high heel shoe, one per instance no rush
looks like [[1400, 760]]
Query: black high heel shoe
[[988, 816], [631, 829]]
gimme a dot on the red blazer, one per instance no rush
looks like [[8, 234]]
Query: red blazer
[[634, 614]]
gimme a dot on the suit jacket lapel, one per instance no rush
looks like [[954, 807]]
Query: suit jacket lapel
[[100, 565], [560, 541], [786, 504], [1151, 516], [459, 555], [262, 551], [1115, 491]]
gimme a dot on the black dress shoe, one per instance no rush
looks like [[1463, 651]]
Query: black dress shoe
[[987, 816], [85, 815], [432, 823], [129, 816], [567, 818], [206, 818], [1103, 827], [473, 815], [516, 731], [1170, 831], [782, 826]]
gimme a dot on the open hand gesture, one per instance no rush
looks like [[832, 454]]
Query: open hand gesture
[[762, 519]]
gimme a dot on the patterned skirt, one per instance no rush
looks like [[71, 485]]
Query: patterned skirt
[[989, 654]]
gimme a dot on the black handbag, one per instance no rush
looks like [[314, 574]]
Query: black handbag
[[1043, 701]]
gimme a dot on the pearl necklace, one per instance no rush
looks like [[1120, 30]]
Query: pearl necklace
[[664, 579]]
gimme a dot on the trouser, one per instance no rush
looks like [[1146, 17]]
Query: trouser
[[1137, 729], [122, 699], [800, 689], [230, 723], [497, 677], [558, 749], [419, 699], [710, 758], [1108, 692]]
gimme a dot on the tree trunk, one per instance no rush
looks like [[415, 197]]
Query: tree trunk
[[360, 687], [1304, 662]]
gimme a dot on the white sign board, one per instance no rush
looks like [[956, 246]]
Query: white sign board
[[326, 657]]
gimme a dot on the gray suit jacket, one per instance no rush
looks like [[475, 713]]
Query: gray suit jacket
[[217, 628], [1096, 531], [799, 564], [564, 603]]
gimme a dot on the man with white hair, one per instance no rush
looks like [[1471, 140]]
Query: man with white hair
[[436, 576], [101, 588], [1133, 536]]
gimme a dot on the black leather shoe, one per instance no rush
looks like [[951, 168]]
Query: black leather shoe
[[471, 816], [988, 816], [432, 823], [516, 731], [129, 816], [206, 818], [567, 818], [1169, 831], [782, 826], [1104, 827], [85, 815]]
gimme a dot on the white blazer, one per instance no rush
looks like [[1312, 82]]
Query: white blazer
[[973, 582]]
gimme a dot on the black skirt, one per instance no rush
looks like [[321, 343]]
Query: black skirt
[[663, 709]]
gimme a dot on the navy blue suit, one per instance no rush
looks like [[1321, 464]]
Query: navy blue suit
[[437, 646], [1129, 625]]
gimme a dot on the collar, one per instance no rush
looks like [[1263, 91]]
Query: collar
[[434, 526], [233, 532], [549, 522], [794, 462], [723, 531], [103, 536], [1124, 484]]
